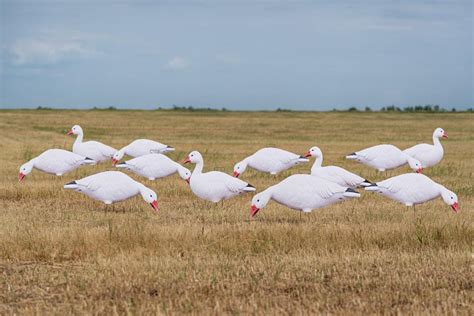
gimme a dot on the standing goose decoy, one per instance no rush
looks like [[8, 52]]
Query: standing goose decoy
[[385, 157], [155, 166], [411, 189], [272, 160], [112, 186], [139, 148], [429, 155], [92, 149], [302, 192], [214, 186], [54, 161], [333, 173]]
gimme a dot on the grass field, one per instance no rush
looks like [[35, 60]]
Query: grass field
[[61, 252]]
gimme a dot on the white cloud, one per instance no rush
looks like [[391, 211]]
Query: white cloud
[[177, 63], [47, 51]]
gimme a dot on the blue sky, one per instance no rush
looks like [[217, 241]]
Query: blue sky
[[236, 54]]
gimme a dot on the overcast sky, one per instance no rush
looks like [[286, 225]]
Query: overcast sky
[[236, 54]]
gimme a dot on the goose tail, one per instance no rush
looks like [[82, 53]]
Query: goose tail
[[249, 188], [351, 193], [352, 156], [366, 183], [71, 185], [372, 187]]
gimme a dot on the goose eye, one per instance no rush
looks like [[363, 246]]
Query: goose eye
[[258, 200], [452, 198]]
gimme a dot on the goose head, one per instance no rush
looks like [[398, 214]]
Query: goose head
[[25, 169], [150, 197], [313, 152], [240, 168], [439, 132], [415, 164], [259, 201], [450, 198], [75, 130], [184, 173], [117, 156], [194, 157]]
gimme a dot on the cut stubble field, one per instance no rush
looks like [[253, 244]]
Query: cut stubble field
[[61, 252]]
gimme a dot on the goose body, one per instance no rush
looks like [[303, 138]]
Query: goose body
[[155, 166], [271, 160], [92, 149], [112, 186], [384, 157], [429, 155], [214, 186], [334, 173], [139, 148], [302, 192], [54, 161], [411, 189]]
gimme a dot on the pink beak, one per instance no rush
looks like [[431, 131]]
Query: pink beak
[[188, 180], [154, 204], [253, 211], [114, 161], [455, 207], [236, 174], [445, 135], [21, 176], [308, 154], [419, 170], [187, 160], [70, 132]]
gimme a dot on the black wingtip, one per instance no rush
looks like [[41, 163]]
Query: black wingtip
[[168, 146], [367, 181], [121, 163], [87, 158], [352, 154], [302, 157], [250, 186], [372, 185], [72, 182], [351, 190]]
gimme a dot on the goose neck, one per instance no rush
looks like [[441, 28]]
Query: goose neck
[[198, 168], [436, 142]]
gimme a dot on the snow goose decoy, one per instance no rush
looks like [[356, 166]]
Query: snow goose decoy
[[429, 155], [54, 161], [272, 160], [92, 149], [333, 173], [302, 192], [139, 148], [214, 186], [412, 188], [112, 186], [384, 157], [155, 166]]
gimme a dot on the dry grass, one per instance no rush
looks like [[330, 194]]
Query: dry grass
[[61, 252]]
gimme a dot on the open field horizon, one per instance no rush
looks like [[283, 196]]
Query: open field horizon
[[61, 252]]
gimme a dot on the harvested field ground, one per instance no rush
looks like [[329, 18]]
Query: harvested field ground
[[61, 252]]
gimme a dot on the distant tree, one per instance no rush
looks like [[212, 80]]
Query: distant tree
[[352, 109], [453, 110], [383, 109], [436, 108], [367, 109]]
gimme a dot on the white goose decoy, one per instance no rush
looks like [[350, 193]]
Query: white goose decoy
[[412, 188], [214, 186], [112, 186], [333, 173], [272, 160], [384, 157], [92, 149], [54, 161], [302, 192], [139, 148], [155, 166], [429, 155]]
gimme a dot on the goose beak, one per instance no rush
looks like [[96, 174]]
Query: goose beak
[[154, 204], [21, 176], [455, 207], [445, 135], [236, 174], [419, 170], [308, 154], [187, 160], [69, 133], [254, 210], [188, 180], [114, 161]]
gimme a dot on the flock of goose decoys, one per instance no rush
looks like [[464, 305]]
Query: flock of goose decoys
[[304, 192]]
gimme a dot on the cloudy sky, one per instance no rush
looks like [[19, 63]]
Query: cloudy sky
[[236, 54]]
